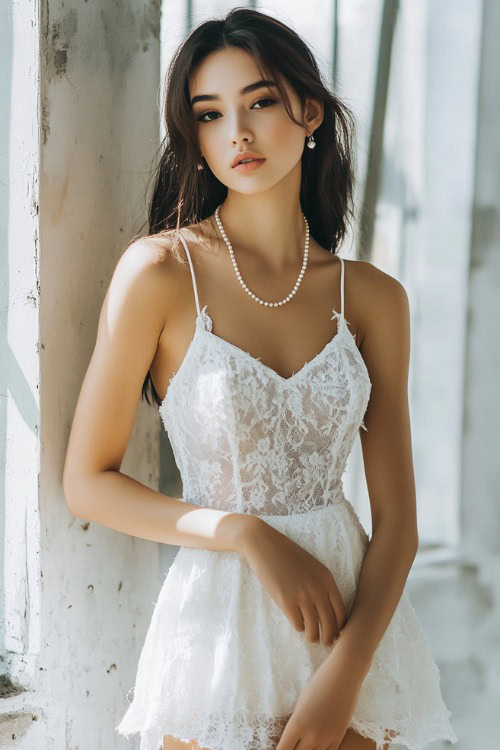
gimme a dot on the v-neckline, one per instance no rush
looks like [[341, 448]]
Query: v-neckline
[[256, 361], [342, 329]]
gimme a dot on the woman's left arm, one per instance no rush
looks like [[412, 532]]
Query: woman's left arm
[[325, 707], [388, 462]]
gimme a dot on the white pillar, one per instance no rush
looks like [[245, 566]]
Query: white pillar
[[81, 81]]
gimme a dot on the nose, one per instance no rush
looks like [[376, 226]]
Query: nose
[[240, 132], [245, 141]]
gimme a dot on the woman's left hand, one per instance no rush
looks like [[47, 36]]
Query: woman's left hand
[[324, 708]]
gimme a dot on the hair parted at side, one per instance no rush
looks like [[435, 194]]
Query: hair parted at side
[[183, 195]]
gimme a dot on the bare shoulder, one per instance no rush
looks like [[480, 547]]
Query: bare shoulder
[[167, 248], [162, 262], [159, 263], [155, 251], [144, 256], [373, 297]]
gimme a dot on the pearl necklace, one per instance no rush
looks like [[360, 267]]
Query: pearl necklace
[[237, 270]]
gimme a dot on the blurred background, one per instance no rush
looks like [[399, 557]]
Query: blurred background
[[80, 96]]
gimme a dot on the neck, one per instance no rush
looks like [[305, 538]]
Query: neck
[[266, 227]]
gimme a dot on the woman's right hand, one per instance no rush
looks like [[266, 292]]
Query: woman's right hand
[[302, 586]]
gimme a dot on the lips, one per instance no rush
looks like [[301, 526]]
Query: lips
[[246, 155], [249, 166]]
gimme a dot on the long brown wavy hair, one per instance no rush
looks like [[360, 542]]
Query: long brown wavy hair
[[183, 195]]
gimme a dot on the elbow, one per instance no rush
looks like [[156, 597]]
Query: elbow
[[72, 489], [416, 540], [410, 533], [402, 535], [69, 494], [412, 542]]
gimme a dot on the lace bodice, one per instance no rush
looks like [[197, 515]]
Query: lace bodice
[[248, 440]]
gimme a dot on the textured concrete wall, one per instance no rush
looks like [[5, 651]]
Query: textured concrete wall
[[90, 122]]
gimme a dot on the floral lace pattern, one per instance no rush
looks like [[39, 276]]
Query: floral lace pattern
[[221, 663], [247, 440]]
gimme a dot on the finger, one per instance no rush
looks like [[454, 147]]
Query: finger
[[289, 739], [311, 620], [304, 744], [295, 616], [338, 611], [328, 621]]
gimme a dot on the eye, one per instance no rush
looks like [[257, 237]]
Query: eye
[[212, 111], [265, 100]]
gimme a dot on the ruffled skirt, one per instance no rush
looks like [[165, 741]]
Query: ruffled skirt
[[223, 665]]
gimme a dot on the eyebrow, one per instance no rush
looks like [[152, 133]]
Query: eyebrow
[[246, 90]]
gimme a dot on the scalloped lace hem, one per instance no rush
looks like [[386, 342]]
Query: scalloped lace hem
[[239, 735]]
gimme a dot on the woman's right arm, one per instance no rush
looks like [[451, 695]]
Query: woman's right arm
[[131, 320]]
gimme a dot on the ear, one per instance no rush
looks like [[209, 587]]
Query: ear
[[313, 114]]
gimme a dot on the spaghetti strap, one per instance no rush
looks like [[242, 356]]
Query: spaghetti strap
[[195, 288], [341, 288]]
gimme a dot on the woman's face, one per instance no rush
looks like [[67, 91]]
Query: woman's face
[[255, 120]]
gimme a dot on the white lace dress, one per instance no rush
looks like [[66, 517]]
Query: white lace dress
[[221, 662]]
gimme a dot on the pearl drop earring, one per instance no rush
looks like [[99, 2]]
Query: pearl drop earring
[[311, 142]]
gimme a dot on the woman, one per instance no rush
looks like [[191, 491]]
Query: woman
[[280, 624]]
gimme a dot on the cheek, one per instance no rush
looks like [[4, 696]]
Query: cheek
[[284, 133], [279, 132], [287, 142], [211, 142]]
